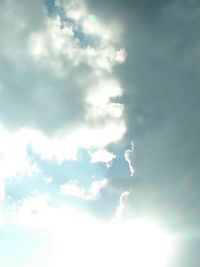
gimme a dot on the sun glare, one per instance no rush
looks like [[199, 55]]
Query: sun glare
[[88, 242], [78, 239], [141, 243]]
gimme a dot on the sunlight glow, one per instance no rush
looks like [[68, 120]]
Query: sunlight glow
[[138, 244], [141, 244], [78, 239]]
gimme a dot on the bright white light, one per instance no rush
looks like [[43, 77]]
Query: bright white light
[[92, 243], [79, 240], [140, 244]]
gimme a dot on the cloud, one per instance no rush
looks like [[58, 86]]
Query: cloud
[[60, 85], [128, 10], [102, 155], [48, 180], [32, 211], [13, 154], [160, 81], [58, 92], [128, 154], [162, 119], [49, 68], [121, 206], [72, 189]]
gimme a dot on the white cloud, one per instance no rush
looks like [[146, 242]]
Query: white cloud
[[14, 159], [58, 39], [121, 206], [102, 155], [61, 147], [33, 210], [101, 93], [129, 157], [72, 189], [96, 186], [48, 180], [13, 154], [75, 9]]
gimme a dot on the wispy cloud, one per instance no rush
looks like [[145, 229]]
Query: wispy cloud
[[128, 154]]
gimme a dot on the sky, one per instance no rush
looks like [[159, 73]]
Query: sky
[[99, 133]]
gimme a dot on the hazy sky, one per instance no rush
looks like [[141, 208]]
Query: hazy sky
[[99, 128]]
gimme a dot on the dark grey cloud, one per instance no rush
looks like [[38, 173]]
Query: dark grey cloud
[[128, 11], [161, 94]]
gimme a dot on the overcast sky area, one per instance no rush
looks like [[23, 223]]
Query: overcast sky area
[[99, 133]]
